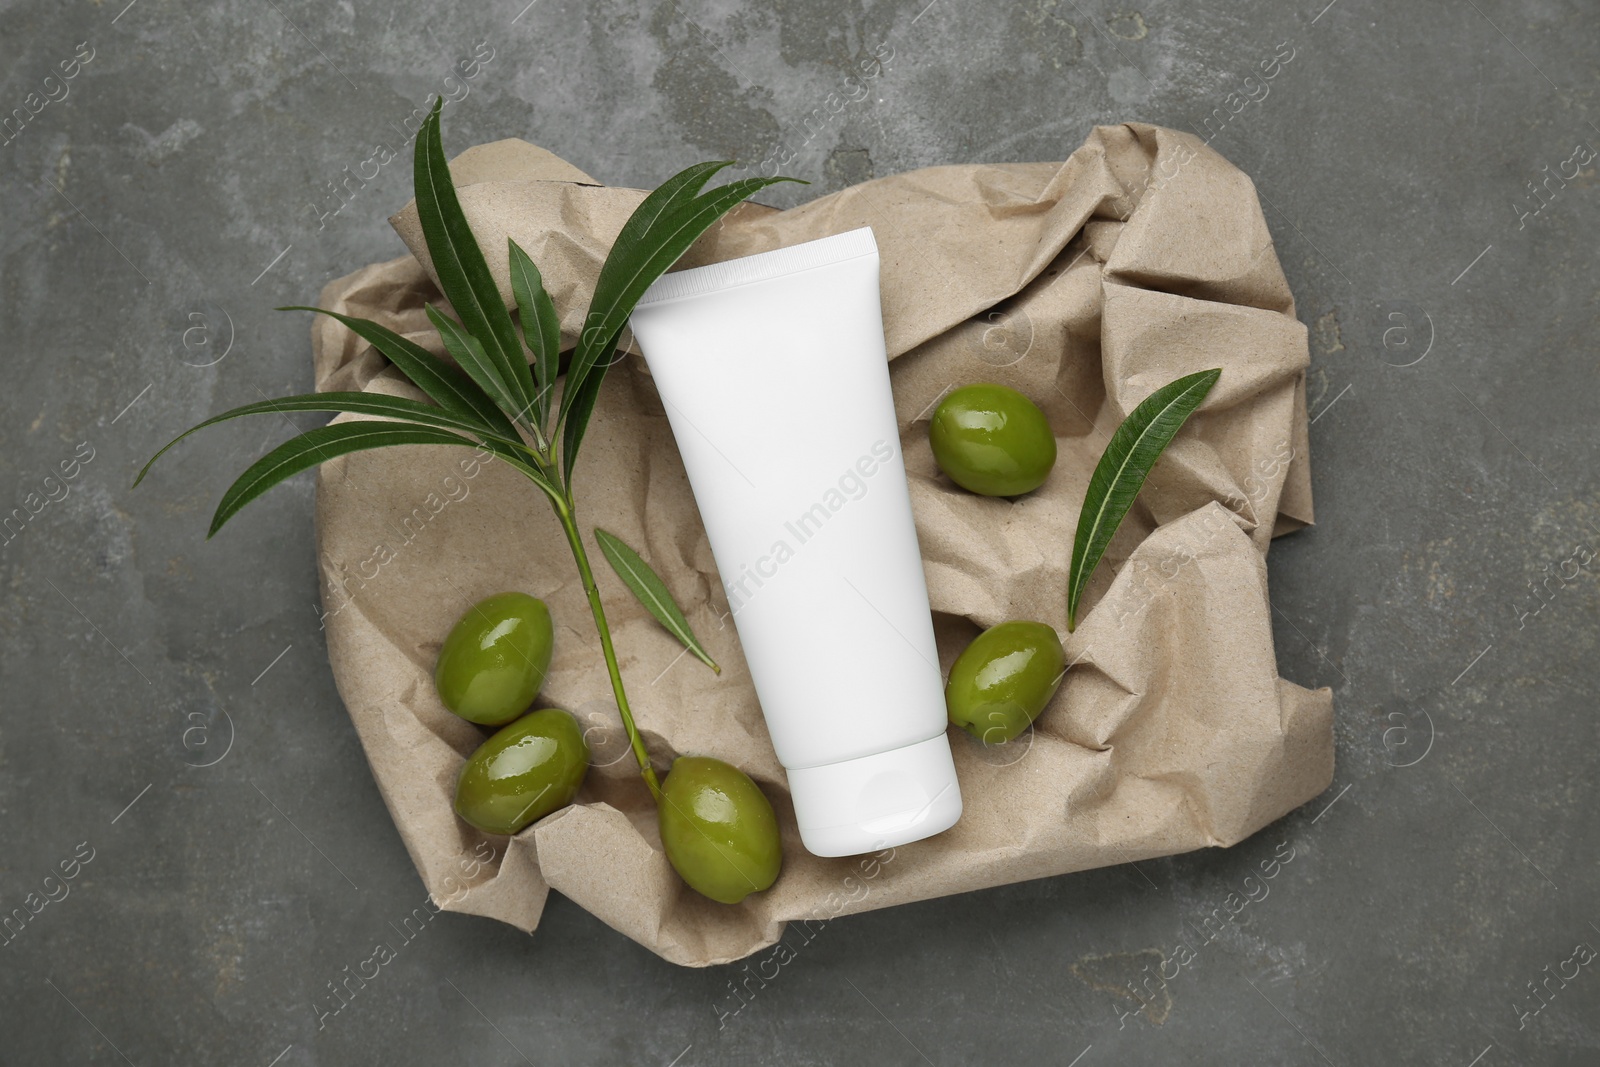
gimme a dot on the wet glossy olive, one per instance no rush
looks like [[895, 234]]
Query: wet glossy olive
[[1003, 679], [523, 772], [990, 439], [494, 660], [718, 829]]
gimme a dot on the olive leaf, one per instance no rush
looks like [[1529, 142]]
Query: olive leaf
[[576, 421], [670, 220], [1128, 458], [652, 592], [633, 267], [541, 326], [438, 379], [470, 354], [318, 446], [464, 276], [353, 403], [596, 342]]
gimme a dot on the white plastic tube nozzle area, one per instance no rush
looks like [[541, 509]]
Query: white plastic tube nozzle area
[[773, 374]]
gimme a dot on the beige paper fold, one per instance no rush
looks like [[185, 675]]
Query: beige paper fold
[[1085, 284]]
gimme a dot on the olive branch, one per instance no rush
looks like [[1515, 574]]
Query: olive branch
[[489, 394]]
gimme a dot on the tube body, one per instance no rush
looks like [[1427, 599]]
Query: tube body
[[773, 374]]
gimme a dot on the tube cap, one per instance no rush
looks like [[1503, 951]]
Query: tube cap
[[878, 801]]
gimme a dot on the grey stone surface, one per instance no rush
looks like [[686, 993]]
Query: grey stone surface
[[178, 187]]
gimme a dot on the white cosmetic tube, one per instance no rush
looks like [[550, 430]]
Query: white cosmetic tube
[[774, 376]]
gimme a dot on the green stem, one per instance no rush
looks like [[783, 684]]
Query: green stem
[[564, 511]]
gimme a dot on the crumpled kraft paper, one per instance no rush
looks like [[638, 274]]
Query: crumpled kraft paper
[[1085, 284]]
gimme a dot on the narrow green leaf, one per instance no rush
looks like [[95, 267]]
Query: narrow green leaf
[[464, 273], [450, 387], [652, 593], [541, 327], [634, 238], [319, 446], [469, 352], [583, 388], [355, 403], [676, 191], [576, 422], [631, 268], [1128, 458], [674, 224]]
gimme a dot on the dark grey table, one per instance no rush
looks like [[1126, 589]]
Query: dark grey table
[[1441, 899]]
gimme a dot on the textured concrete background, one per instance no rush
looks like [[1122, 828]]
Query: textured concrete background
[[153, 216]]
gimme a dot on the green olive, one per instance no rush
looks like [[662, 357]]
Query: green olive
[[1002, 681], [523, 772], [718, 829], [494, 661], [992, 440]]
